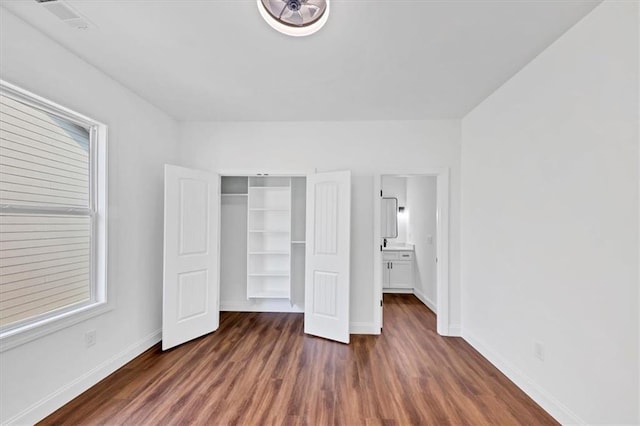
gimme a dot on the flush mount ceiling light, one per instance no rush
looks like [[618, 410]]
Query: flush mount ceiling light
[[295, 17]]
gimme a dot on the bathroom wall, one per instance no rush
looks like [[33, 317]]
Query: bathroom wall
[[421, 231]]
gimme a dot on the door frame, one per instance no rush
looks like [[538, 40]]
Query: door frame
[[263, 172], [442, 244]]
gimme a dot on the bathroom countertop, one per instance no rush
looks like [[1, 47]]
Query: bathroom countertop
[[399, 247]]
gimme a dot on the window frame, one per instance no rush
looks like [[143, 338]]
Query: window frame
[[100, 294]]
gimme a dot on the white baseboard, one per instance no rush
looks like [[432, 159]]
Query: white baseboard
[[455, 330], [424, 299], [260, 306], [397, 290], [363, 328], [541, 396], [66, 393]]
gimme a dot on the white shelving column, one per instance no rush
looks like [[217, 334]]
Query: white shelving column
[[269, 238]]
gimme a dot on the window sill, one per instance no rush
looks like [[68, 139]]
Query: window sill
[[20, 336]]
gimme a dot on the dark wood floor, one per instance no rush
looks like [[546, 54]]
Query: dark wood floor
[[261, 369]]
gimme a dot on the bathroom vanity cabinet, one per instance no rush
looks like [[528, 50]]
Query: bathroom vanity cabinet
[[397, 269]]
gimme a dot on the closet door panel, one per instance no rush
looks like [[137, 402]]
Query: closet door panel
[[190, 280], [327, 283]]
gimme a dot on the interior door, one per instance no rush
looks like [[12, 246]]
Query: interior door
[[327, 281], [190, 304]]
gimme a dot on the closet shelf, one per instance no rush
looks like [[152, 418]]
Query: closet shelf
[[273, 294], [269, 238], [298, 242], [270, 274], [235, 195], [269, 252]]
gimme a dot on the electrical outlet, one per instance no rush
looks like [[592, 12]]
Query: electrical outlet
[[90, 338], [538, 350]]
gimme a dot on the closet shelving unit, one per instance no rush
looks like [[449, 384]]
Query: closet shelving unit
[[269, 238]]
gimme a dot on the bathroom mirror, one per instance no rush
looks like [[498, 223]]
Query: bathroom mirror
[[389, 217]]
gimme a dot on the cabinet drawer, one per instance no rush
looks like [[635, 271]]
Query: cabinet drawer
[[397, 255]]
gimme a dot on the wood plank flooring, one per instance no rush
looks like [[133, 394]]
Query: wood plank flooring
[[259, 368]]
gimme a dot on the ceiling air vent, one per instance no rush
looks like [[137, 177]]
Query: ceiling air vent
[[65, 13]]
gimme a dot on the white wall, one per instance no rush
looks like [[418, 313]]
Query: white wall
[[396, 187], [421, 215], [550, 222], [365, 148], [43, 374]]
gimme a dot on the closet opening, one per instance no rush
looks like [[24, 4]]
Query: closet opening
[[262, 241]]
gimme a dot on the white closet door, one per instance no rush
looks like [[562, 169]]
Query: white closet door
[[190, 306], [327, 281]]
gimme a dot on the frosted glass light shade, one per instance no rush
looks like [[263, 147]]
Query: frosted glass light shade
[[295, 17]]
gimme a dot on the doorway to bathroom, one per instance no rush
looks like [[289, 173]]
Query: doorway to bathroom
[[411, 236]]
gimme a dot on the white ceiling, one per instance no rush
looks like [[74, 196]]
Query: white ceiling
[[373, 60]]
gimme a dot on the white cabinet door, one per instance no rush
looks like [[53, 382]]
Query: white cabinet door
[[190, 306], [327, 281], [400, 274], [385, 274]]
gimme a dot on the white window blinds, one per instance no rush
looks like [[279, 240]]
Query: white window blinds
[[46, 213]]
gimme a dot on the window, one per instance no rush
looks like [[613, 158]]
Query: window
[[52, 212]]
